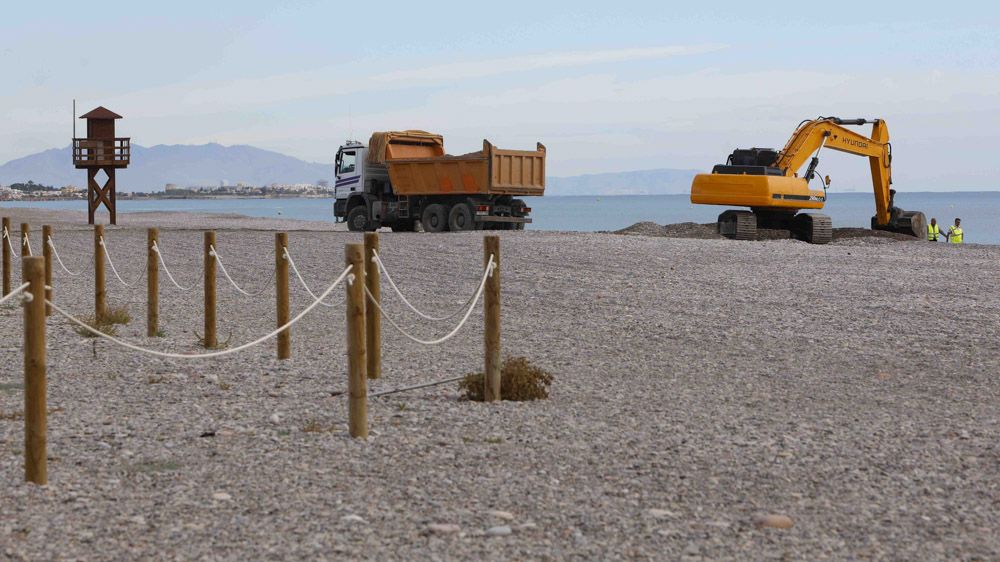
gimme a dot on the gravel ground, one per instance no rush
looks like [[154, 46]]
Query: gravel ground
[[708, 231], [700, 384]]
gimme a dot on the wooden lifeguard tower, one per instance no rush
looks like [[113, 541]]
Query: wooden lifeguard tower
[[101, 150]]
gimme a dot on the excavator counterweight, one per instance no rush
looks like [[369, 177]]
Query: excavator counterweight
[[768, 182]]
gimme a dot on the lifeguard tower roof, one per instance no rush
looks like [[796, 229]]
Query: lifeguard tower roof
[[100, 112]]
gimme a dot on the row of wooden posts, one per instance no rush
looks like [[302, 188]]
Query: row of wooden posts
[[364, 335]]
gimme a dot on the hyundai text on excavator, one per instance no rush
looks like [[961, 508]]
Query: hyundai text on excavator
[[767, 181]]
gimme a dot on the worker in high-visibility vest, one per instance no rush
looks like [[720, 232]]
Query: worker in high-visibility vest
[[955, 233], [933, 231]]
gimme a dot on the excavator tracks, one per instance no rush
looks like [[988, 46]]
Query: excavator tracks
[[814, 228], [738, 225]]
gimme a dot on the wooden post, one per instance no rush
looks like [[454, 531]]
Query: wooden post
[[152, 284], [47, 254], [33, 271], [210, 338], [100, 296], [373, 317], [357, 385], [25, 245], [491, 318], [6, 257], [284, 306]]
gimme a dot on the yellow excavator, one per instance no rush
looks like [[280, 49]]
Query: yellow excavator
[[767, 181]]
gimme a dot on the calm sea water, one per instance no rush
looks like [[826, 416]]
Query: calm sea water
[[979, 211]]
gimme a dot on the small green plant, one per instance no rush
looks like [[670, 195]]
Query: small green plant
[[98, 324], [118, 315], [161, 333], [225, 386], [155, 379], [519, 381]]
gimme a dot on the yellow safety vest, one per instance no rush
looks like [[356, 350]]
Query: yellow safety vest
[[955, 235], [933, 231]]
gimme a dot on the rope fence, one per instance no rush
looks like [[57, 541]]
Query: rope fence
[[55, 253], [16, 292], [215, 254], [287, 256], [6, 236], [114, 270], [363, 308], [220, 353], [166, 270], [449, 335], [402, 297]]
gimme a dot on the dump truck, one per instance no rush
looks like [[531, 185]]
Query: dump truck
[[404, 178], [768, 182]]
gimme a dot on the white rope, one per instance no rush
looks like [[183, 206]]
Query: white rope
[[218, 260], [58, 259], [479, 293], [168, 355], [291, 262], [16, 292], [167, 270], [27, 245], [115, 270], [10, 245], [416, 387], [392, 283]]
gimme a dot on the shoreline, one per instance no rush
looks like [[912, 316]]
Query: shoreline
[[183, 220]]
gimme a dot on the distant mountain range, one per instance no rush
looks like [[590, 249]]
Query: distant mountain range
[[184, 165], [209, 164], [643, 182]]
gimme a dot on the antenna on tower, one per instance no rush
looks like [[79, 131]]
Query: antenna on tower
[[74, 118]]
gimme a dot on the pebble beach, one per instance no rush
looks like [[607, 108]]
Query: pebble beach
[[712, 400]]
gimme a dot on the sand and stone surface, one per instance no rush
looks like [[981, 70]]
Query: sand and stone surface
[[713, 400], [709, 231]]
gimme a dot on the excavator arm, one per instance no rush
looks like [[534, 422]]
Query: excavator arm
[[829, 132]]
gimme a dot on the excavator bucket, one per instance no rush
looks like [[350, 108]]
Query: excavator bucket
[[913, 223]]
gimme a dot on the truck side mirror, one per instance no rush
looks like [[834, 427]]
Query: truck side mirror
[[827, 181]]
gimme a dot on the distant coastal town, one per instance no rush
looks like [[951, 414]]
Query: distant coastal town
[[32, 191]]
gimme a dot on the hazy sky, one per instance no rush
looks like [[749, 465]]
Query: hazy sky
[[606, 86]]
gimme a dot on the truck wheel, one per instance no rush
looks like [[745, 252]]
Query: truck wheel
[[460, 218], [517, 204], [435, 219], [357, 219]]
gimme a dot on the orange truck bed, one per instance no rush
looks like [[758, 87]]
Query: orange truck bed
[[418, 166]]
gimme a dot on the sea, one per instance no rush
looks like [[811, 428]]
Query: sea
[[979, 210]]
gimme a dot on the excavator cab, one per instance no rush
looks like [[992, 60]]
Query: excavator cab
[[754, 161]]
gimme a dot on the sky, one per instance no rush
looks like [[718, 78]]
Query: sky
[[607, 87]]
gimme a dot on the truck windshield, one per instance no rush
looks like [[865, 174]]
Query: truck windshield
[[347, 161]]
